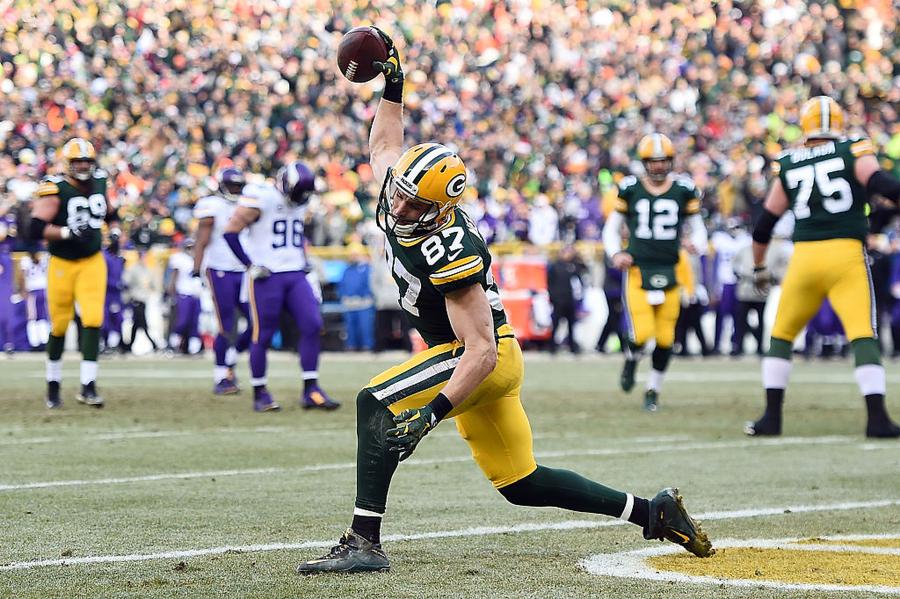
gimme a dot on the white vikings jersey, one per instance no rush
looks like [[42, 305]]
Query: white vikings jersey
[[726, 247], [276, 239], [35, 273], [218, 255], [185, 284]]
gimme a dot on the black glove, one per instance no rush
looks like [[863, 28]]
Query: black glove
[[762, 279], [393, 72], [412, 426], [79, 232]]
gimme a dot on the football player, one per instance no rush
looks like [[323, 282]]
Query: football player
[[473, 369], [185, 290], [34, 283], [275, 260], [224, 273], [655, 208], [115, 306], [826, 183], [69, 212]]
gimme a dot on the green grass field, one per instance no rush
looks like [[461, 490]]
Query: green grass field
[[160, 484]]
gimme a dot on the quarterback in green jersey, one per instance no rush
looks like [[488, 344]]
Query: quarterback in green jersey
[[473, 369], [69, 213], [654, 208], [826, 183]]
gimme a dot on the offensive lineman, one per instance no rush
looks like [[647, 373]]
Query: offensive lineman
[[654, 208], [224, 273], [826, 183], [275, 259], [69, 213], [473, 369]]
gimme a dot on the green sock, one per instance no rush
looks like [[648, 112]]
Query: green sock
[[550, 487], [90, 343], [866, 351], [375, 465], [780, 348], [55, 347]]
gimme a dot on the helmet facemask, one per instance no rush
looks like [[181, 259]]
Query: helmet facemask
[[82, 169], [657, 170], [401, 189]]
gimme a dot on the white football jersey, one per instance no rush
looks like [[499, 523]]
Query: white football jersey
[[218, 255], [185, 284], [726, 247], [35, 273], [276, 239]]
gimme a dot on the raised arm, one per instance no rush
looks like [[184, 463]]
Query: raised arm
[[386, 135]]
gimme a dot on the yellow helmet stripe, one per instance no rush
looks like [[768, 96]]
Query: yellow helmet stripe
[[825, 110], [424, 161]]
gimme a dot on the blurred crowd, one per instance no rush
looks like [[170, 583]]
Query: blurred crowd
[[544, 100]]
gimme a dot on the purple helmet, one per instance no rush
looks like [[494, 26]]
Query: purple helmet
[[231, 180], [296, 181]]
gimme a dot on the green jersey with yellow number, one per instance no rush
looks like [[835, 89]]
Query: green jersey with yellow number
[[429, 267], [77, 206], [654, 223], [827, 200]]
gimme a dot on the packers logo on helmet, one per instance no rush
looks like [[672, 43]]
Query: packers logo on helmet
[[80, 157], [658, 154], [821, 118], [421, 190]]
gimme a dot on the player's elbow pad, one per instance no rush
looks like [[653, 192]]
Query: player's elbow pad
[[885, 185], [36, 228], [763, 231]]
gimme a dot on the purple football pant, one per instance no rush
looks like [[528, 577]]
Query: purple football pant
[[226, 294], [187, 316], [727, 308], [268, 297], [112, 319], [37, 305]]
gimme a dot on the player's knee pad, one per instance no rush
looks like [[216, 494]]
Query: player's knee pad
[[373, 419], [661, 357]]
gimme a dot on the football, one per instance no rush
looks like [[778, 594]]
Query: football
[[359, 47]]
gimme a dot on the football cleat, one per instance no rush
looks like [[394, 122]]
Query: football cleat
[[627, 378], [89, 396], [232, 376], [352, 554], [651, 400], [763, 427], [225, 387], [53, 400], [315, 398], [263, 402], [882, 430], [670, 521]]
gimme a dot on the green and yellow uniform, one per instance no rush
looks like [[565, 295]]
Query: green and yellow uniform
[[650, 287], [829, 260], [491, 419], [77, 270]]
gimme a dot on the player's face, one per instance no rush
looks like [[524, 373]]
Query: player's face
[[406, 209], [81, 169], [658, 170]]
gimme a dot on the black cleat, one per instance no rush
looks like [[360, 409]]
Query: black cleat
[[89, 397], [670, 521], [53, 401], [352, 554], [627, 378], [764, 427], [885, 429], [651, 400]]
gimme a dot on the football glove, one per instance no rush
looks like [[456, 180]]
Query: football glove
[[393, 72], [762, 279], [256, 272], [79, 232], [412, 426]]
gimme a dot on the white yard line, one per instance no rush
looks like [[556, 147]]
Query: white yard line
[[777, 442], [445, 534], [632, 564]]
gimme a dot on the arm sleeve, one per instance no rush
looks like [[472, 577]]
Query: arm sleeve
[[612, 238], [234, 242], [882, 183], [698, 232]]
